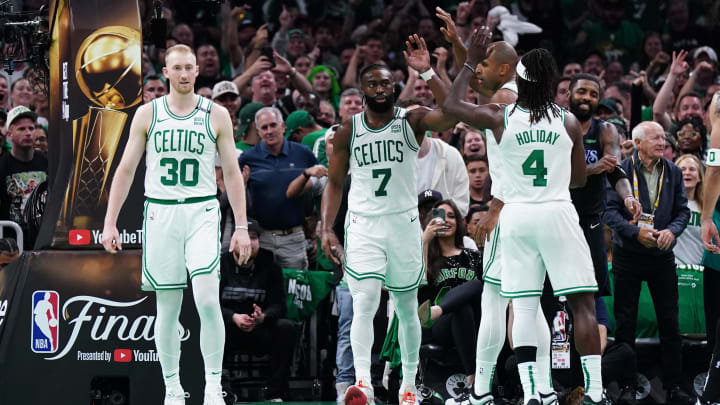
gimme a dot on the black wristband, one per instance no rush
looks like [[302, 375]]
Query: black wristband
[[307, 176]]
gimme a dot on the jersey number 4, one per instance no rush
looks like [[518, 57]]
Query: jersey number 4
[[187, 175], [536, 158], [386, 174]]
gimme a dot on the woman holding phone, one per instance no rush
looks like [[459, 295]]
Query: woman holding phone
[[451, 307]]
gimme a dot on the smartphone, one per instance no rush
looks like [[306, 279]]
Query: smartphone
[[438, 213], [267, 52]]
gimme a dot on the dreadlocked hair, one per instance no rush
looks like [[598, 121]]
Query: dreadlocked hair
[[538, 93]]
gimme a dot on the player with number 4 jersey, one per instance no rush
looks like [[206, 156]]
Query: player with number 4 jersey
[[542, 153]]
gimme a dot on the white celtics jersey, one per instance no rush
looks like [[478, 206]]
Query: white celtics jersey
[[383, 163], [495, 165], [536, 158], [511, 85], [180, 153]]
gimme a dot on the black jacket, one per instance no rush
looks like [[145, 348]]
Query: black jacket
[[672, 212], [259, 283]]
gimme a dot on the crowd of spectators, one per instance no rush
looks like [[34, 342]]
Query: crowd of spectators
[[287, 71]]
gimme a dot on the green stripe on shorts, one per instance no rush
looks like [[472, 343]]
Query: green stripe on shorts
[[519, 294], [491, 280], [493, 248], [190, 200], [575, 290]]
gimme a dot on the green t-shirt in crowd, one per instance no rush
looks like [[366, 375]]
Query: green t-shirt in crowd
[[305, 290], [691, 305], [616, 43], [316, 142], [243, 146]]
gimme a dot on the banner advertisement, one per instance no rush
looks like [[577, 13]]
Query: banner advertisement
[[76, 318], [96, 73]]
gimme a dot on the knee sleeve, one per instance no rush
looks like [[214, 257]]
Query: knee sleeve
[[525, 315], [366, 298], [491, 333], [409, 333]]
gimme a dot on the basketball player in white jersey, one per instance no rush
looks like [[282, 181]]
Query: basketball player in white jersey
[[180, 134], [497, 72], [382, 232], [542, 155]]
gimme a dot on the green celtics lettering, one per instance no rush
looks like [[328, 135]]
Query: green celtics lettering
[[380, 151], [179, 140]]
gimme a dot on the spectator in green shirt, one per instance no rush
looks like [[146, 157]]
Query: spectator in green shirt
[[247, 136], [614, 36]]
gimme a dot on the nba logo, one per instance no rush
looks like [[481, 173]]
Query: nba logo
[[559, 332], [44, 328]]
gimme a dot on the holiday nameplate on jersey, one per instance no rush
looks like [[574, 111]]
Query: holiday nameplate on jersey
[[647, 221]]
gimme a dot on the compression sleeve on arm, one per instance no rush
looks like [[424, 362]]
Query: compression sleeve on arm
[[616, 175]]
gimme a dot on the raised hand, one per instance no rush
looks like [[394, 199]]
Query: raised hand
[[679, 65], [417, 57], [449, 31], [463, 11], [714, 109], [441, 54], [282, 64], [478, 45], [710, 237]]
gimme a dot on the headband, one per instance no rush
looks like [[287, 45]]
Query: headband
[[521, 71]]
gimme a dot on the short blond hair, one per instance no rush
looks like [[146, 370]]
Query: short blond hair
[[179, 48]]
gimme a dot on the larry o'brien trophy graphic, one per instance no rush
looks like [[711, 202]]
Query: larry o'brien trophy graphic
[[108, 72]]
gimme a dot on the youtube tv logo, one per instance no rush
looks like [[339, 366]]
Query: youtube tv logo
[[79, 237], [122, 355]]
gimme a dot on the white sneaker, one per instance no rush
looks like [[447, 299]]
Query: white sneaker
[[214, 398], [549, 399], [176, 398], [361, 393], [341, 389], [407, 395], [469, 398]]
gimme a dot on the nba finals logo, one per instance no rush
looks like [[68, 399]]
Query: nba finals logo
[[44, 329]]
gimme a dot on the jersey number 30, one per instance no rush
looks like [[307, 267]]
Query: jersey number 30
[[182, 176], [536, 158]]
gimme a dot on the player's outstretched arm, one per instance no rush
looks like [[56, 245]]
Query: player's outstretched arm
[[124, 174], [477, 116], [240, 240], [711, 190], [339, 163], [578, 176]]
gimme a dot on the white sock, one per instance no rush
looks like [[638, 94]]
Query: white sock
[[543, 379], [409, 333], [366, 298], [491, 337], [528, 375], [591, 366], [206, 293], [167, 339]]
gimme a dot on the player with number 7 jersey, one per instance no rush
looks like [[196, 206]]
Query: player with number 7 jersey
[[383, 238]]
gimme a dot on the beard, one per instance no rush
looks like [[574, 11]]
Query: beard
[[380, 107], [581, 115]]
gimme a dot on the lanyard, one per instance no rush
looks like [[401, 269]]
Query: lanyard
[[659, 186]]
